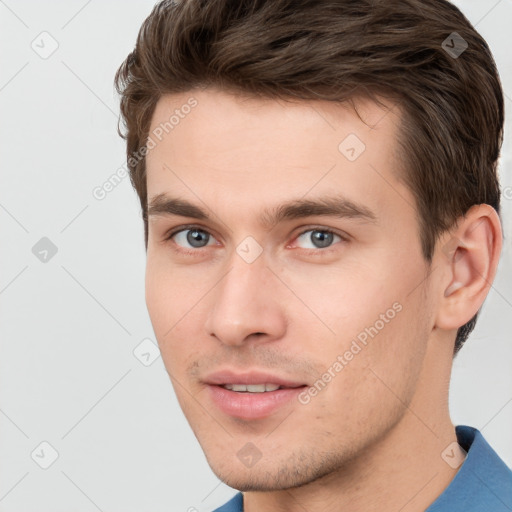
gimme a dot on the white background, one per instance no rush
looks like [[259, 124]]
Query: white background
[[68, 327]]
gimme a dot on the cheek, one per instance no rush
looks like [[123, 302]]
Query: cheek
[[177, 301], [370, 391], [165, 297], [158, 298], [342, 303], [381, 333], [395, 355], [172, 302]]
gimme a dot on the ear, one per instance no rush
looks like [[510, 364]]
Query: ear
[[468, 259]]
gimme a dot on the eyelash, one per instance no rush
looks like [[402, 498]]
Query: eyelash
[[194, 252]]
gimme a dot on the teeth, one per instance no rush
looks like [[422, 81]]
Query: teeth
[[251, 388]]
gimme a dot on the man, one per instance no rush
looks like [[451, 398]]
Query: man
[[321, 204]]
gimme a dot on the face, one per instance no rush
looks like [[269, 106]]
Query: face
[[304, 265]]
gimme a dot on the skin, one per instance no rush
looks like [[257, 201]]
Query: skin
[[373, 437]]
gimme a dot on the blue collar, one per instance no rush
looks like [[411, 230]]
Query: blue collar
[[483, 482]]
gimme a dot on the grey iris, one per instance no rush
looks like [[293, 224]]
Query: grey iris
[[324, 239], [194, 235]]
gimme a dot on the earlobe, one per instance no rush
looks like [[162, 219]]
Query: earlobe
[[470, 260]]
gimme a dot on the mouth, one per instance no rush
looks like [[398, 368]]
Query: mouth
[[255, 388], [251, 381], [253, 394], [253, 401]]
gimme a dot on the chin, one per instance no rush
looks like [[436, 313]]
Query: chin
[[296, 470]]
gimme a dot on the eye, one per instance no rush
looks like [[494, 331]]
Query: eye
[[319, 237], [196, 237]]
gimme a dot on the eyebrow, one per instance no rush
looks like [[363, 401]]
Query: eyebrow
[[330, 206]]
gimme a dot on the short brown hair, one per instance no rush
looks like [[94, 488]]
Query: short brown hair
[[452, 104]]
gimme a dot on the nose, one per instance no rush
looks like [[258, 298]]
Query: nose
[[245, 304]]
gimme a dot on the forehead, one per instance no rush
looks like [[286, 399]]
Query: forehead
[[218, 109], [209, 146]]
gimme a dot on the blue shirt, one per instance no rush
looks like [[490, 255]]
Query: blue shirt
[[482, 484]]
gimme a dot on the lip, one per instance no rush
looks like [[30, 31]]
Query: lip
[[251, 406], [247, 405], [250, 377]]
